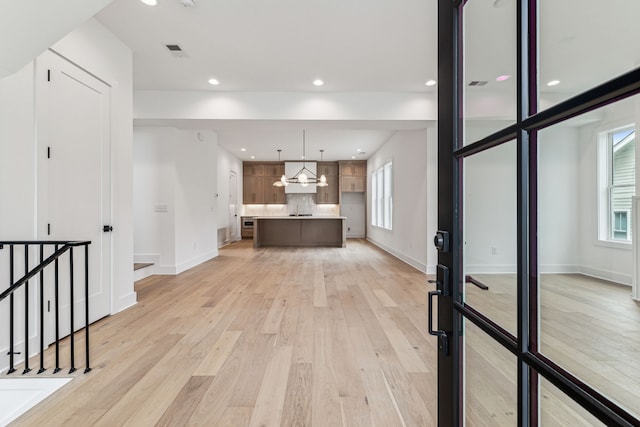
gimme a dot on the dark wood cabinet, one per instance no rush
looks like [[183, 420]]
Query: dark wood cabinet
[[273, 194], [331, 193], [253, 190], [258, 179], [353, 176]]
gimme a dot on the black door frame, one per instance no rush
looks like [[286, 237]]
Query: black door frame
[[451, 308]]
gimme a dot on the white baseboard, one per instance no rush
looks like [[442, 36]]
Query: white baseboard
[[125, 302], [143, 273], [195, 261], [431, 269], [491, 269], [612, 276], [146, 258], [559, 268], [402, 257]]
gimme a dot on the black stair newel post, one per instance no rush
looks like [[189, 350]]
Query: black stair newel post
[[86, 306], [12, 369], [26, 311], [57, 312], [71, 331], [42, 368]]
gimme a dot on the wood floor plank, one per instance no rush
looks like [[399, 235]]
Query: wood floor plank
[[185, 402], [327, 337], [297, 407], [270, 401], [218, 354]]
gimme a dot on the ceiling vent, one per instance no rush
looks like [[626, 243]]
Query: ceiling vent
[[478, 83], [188, 3], [176, 51]]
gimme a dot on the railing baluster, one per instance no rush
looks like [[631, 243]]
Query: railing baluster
[[86, 306], [39, 292], [71, 304], [42, 369], [12, 369], [57, 309], [26, 312]]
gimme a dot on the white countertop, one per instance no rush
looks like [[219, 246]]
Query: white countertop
[[302, 217]]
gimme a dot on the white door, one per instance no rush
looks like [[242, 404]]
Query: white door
[[233, 206], [74, 193]]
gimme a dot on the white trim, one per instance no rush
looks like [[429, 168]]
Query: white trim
[[402, 257], [559, 269], [635, 207], [146, 258], [143, 273], [491, 269], [613, 244], [612, 276], [196, 261], [127, 301]]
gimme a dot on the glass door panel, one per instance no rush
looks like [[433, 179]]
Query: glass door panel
[[559, 410], [583, 44], [491, 381], [490, 234], [590, 326], [489, 68]]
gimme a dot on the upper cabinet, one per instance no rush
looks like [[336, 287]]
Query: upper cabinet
[[258, 179], [353, 176], [331, 193]]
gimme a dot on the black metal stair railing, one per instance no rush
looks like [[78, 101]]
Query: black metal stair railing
[[57, 249]]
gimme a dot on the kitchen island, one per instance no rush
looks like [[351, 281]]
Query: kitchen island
[[304, 231]]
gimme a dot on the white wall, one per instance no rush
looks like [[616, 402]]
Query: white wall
[[175, 190], [228, 163], [558, 200], [490, 205], [17, 191], [96, 50], [611, 262], [409, 238]]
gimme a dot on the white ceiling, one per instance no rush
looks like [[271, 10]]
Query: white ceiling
[[356, 46], [282, 46]]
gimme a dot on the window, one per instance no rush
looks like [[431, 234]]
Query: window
[[382, 197], [617, 158]]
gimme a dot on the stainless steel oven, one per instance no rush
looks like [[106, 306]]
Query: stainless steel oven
[[246, 227]]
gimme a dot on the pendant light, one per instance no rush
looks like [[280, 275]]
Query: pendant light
[[304, 176]]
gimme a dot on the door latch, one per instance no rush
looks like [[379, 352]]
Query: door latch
[[107, 228], [442, 289]]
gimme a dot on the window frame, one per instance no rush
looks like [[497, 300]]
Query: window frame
[[382, 196], [606, 186]]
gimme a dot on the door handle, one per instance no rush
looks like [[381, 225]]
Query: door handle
[[442, 289], [442, 335]]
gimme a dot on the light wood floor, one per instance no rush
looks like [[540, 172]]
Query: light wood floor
[[268, 337], [331, 337], [588, 326]]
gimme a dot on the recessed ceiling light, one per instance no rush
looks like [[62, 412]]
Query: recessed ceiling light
[[253, 157], [553, 82], [150, 2], [214, 82], [353, 157], [503, 78], [430, 83], [318, 82], [243, 149]]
